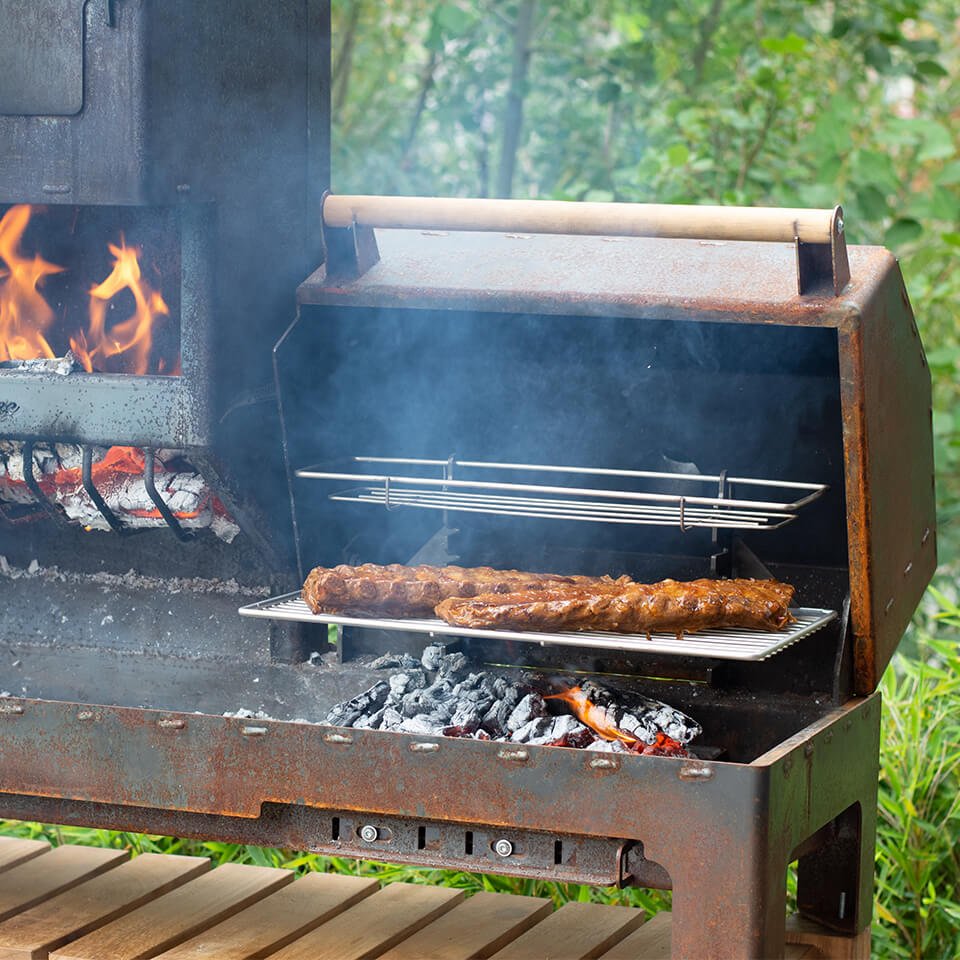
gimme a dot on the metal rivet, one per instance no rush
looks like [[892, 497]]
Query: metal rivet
[[925, 537], [908, 568], [337, 738], [11, 709], [888, 607], [369, 833], [424, 747], [839, 225], [604, 763], [695, 771], [519, 756], [171, 723], [254, 731], [503, 848], [808, 751], [86, 715]]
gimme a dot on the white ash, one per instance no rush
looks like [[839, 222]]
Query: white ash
[[181, 487], [441, 696], [58, 365], [244, 714], [131, 580]]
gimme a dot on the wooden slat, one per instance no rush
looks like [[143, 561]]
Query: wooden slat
[[374, 925], [42, 877], [834, 946], [649, 942], [179, 915], [17, 850], [277, 920], [31, 935], [473, 929], [577, 931], [798, 951]]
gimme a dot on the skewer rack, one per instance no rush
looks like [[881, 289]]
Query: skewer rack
[[685, 500]]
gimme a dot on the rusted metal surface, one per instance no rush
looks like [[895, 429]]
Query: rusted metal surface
[[723, 832], [888, 449], [597, 276]]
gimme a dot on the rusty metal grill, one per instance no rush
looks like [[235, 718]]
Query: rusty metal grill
[[729, 644], [688, 506]]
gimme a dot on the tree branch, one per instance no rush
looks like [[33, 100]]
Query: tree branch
[[513, 114], [708, 27]]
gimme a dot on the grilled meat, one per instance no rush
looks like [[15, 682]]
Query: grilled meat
[[415, 591], [627, 607]]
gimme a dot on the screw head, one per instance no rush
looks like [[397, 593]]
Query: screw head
[[839, 225], [503, 848], [369, 833]]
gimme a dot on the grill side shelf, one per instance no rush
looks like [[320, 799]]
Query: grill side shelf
[[731, 644]]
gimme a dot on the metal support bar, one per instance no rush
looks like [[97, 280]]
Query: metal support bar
[[148, 481], [349, 251], [823, 268], [34, 486], [94, 494]]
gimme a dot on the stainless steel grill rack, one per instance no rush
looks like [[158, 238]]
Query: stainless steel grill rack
[[470, 492], [729, 644]]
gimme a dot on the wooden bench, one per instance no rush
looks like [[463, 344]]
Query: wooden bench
[[88, 903]]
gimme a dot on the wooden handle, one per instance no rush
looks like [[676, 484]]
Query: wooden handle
[[599, 219]]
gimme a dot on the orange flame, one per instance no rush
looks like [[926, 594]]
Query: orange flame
[[129, 340], [24, 314], [121, 346], [597, 719]]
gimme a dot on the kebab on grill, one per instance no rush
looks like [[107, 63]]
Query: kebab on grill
[[667, 606], [482, 597], [415, 591]]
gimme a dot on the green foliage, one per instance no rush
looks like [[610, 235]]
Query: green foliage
[[918, 859], [794, 103]]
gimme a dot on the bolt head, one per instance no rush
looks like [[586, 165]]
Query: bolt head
[[503, 848], [369, 833]]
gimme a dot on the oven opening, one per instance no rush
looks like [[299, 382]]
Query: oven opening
[[89, 290]]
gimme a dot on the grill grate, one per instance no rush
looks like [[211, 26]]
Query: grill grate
[[687, 506], [732, 644]]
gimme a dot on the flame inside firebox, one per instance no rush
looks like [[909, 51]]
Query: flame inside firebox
[[596, 718], [123, 310]]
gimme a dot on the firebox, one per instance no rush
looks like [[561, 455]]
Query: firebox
[[599, 391]]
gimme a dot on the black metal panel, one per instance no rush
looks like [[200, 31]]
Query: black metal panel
[[41, 57]]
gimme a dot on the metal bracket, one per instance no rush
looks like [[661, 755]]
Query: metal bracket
[[34, 487], [349, 252], [94, 494], [158, 501], [823, 268]]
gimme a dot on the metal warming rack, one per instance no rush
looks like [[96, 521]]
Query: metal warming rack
[[470, 492], [729, 644]]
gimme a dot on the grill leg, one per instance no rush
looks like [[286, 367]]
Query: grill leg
[[735, 907]]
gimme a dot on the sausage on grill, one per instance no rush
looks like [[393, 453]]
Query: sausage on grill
[[414, 591], [627, 607]]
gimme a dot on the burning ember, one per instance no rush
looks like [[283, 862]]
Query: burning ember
[[114, 340], [440, 695], [117, 473], [604, 722]]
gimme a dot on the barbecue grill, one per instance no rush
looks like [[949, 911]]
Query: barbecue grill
[[593, 389]]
